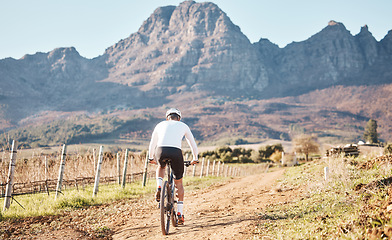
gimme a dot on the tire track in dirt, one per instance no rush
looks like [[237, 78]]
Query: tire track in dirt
[[222, 211]]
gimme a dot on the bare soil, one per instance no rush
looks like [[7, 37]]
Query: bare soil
[[228, 210]]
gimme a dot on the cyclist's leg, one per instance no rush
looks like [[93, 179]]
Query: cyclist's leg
[[160, 171], [180, 202], [180, 189], [160, 157], [178, 172]]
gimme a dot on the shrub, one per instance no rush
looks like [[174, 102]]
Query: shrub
[[223, 150], [228, 155], [266, 152], [276, 156]]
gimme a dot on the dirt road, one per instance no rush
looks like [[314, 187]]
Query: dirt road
[[228, 210], [223, 211]]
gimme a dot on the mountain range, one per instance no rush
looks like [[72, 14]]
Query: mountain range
[[194, 57]]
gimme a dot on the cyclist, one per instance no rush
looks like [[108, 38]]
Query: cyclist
[[166, 144]]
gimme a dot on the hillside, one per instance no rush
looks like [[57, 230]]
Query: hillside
[[332, 114], [193, 57]]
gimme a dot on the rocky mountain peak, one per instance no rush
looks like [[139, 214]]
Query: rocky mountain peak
[[386, 43], [189, 19], [368, 44], [365, 28], [64, 54], [54, 55], [158, 20], [333, 31], [201, 19], [193, 48], [332, 23], [336, 27], [184, 46], [365, 33]]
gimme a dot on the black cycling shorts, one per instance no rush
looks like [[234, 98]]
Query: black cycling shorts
[[163, 154]]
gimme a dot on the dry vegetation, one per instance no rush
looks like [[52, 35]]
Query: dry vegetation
[[37, 170], [44, 167], [353, 201]]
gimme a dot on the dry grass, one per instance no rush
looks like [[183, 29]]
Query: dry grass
[[43, 164], [332, 207], [81, 164]]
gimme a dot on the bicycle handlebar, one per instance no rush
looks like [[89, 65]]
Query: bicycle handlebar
[[188, 163]]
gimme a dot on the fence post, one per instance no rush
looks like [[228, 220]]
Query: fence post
[[131, 165], [326, 173], [213, 168], [61, 170], [46, 168], [145, 171], [124, 176], [10, 182], [208, 167], [217, 172], [98, 172], [118, 168], [202, 167]]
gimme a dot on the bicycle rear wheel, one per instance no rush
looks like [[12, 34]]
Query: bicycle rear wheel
[[166, 208]]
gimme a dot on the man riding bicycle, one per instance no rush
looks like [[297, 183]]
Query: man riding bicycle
[[166, 144]]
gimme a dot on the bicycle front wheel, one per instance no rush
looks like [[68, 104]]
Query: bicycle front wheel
[[166, 208]]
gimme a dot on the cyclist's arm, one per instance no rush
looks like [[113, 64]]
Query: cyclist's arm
[[153, 144], [191, 142]]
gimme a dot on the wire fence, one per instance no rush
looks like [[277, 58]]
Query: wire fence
[[40, 172]]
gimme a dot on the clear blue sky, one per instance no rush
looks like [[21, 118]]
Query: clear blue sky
[[28, 26]]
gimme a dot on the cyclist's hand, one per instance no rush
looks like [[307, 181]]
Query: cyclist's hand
[[195, 162], [152, 161]]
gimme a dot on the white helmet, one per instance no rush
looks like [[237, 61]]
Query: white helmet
[[173, 111]]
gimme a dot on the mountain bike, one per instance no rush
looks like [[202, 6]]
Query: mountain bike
[[168, 203]]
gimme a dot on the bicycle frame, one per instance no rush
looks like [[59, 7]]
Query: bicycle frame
[[168, 204]]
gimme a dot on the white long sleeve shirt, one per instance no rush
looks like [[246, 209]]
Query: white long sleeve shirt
[[170, 134]]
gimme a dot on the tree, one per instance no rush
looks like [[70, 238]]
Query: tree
[[265, 152], [306, 144], [370, 135]]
